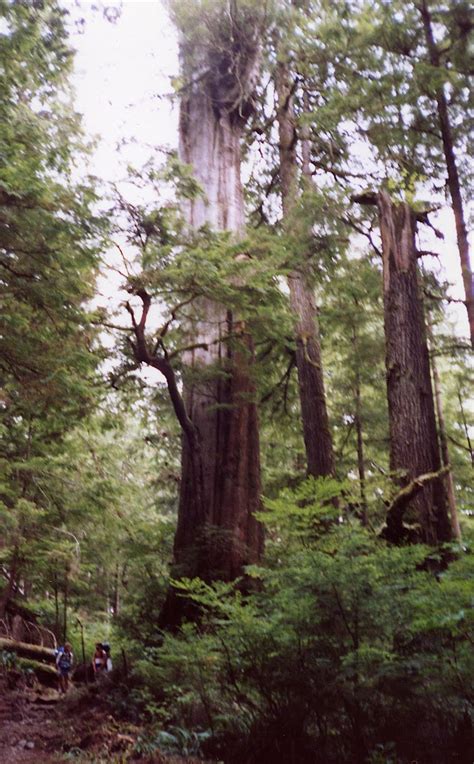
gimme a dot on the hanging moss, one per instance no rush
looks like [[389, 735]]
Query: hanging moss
[[220, 49]]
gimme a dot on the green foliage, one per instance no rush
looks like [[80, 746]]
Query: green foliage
[[180, 270], [346, 648], [382, 79], [303, 513], [176, 740], [458, 378], [105, 530], [48, 259], [354, 351]]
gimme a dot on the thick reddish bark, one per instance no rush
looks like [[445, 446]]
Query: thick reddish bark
[[452, 170], [414, 448], [314, 415], [217, 533]]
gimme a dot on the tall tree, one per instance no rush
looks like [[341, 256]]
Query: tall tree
[[462, 26], [314, 415], [217, 532], [414, 447], [221, 404], [391, 98]]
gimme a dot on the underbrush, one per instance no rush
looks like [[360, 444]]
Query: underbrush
[[347, 650]]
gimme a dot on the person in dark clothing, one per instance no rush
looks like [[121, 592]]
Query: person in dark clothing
[[64, 663]]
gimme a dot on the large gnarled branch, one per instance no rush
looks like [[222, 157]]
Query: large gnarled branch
[[161, 363]]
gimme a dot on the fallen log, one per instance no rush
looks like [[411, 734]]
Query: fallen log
[[25, 650]]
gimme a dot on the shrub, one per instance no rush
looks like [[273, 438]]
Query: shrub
[[348, 650]]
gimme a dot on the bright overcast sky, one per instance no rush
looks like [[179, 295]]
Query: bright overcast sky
[[122, 77]]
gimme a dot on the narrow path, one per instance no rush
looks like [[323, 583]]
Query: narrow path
[[29, 730], [38, 726], [42, 727]]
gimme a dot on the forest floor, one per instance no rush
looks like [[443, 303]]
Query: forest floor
[[38, 726]]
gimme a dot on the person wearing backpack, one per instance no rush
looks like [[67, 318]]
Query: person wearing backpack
[[64, 663], [99, 660]]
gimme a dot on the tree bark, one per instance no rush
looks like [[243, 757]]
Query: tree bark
[[453, 175], [217, 533], [414, 448], [314, 415]]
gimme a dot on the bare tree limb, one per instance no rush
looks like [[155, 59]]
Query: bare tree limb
[[143, 355], [397, 508]]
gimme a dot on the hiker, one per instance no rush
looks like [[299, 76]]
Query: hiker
[[99, 661], [64, 662]]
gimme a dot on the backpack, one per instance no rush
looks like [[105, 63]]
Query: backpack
[[65, 660]]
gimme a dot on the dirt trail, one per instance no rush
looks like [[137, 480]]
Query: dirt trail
[[38, 726], [41, 727], [29, 731]]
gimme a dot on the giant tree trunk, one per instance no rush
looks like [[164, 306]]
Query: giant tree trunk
[[452, 169], [414, 448], [314, 415], [217, 533]]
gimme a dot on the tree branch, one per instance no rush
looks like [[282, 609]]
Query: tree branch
[[143, 355], [397, 508], [368, 234], [441, 297]]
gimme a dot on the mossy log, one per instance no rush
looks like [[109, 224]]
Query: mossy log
[[25, 650]]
